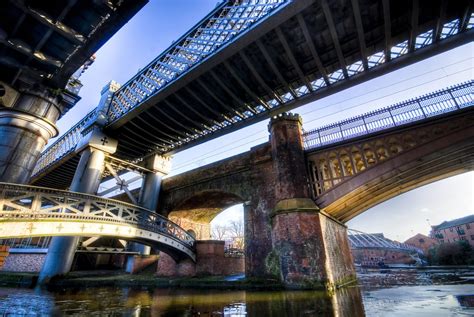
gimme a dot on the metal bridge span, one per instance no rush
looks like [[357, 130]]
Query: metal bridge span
[[249, 60], [28, 211], [362, 240]]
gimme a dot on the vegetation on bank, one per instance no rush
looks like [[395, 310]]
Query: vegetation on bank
[[455, 253]]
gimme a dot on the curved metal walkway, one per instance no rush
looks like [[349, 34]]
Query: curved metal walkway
[[362, 240], [29, 211]]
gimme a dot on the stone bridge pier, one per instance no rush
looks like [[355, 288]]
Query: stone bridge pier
[[286, 235], [310, 249]]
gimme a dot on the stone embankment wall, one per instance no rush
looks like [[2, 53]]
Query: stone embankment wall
[[21, 262], [210, 261]]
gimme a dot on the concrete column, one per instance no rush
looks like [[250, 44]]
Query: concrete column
[[25, 128], [309, 248], [86, 180], [149, 196]]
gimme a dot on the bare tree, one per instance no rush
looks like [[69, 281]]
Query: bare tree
[[219, 232], [236, 233]]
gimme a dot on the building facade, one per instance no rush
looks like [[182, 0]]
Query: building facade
[[455, 230]]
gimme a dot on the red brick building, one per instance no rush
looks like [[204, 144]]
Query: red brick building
[[455, 230], [422, 242]]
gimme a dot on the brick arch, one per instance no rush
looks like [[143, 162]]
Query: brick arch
[[206, 205], [405, 161], [215, 186]]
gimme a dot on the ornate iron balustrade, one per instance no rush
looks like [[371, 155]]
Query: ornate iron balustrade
[[217, 29], [64, 145], [21, 203], [437, 103], [362, 240]]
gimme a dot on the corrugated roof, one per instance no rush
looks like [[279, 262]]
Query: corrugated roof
[[455, 222]]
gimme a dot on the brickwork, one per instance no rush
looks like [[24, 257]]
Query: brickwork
[[141, 262], [19, 262], [200, 230], [423, 242], [455, 230], [210, 260], [3, 254]]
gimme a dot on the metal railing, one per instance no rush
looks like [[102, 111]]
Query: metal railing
[[21, 202], [430, 105], [362, 240], [64, 145], [227, 21]]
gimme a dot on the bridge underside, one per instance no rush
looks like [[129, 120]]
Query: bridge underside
[[45, 42], [303, 51]]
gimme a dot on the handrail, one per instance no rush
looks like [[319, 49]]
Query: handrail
[[437, 103], [213, 32], [33, 202], [63, 145]]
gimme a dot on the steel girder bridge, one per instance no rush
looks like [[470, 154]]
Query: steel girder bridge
[[249, 60], [29, 211]]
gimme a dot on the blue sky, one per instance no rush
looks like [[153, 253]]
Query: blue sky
[[154, 28]]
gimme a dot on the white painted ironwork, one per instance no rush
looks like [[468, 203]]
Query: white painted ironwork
[[28, 211], [437, 103], [64, 145], [362, 240]]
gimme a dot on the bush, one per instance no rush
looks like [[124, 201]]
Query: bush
[[455, 253]]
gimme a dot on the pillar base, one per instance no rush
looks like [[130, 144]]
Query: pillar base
[[310, 249], [138, 263], [59, 259]]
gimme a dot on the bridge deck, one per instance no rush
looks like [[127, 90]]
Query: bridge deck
[[291, 53]]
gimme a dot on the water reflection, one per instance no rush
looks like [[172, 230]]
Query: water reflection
[[420, 300], [167, 302]]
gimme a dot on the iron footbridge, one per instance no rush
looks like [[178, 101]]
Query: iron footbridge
[[29, 211], [362, 240]]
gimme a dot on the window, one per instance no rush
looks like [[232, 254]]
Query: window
[[442, 241], [472, 236], [463, 238], [468, 226], [450, 229], [421, 240]]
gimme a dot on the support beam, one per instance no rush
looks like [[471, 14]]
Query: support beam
[[440, 23], [259, 78], [218, 99], [149, 197], [360, 32], [220, 82], [414, 25], [334, 36], [257, 99], [387, 28], [292, 58], [275, 70]]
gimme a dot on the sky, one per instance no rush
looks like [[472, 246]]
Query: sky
[[161, 22]]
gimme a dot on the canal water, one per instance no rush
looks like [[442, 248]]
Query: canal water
[[374, 297]]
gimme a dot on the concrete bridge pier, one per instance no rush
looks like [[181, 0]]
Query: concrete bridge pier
[[309, 248], [148, 198], [25, 128], [87, 177]]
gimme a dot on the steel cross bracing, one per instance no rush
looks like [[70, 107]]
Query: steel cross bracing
[[29, 211], [249, 60], [362, 240], [438, 103]]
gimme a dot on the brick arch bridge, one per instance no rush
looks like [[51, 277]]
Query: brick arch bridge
[[297, 200]]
